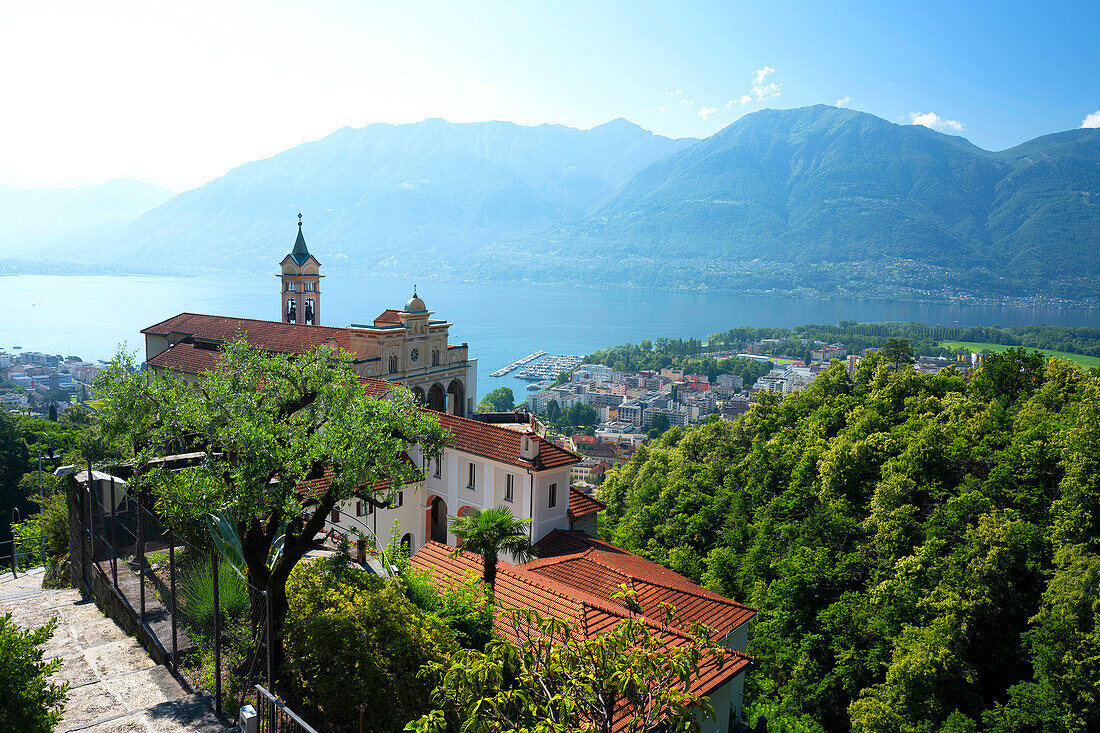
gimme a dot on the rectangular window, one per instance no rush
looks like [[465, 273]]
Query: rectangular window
[[509, 487], [553, 495], [473, 477], [400, 501], [335, 516], [358, 508], [438, 467]]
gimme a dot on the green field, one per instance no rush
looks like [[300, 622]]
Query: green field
[[1085, 361]]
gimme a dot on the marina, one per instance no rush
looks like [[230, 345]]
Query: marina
[[550, 367], [518, 363]]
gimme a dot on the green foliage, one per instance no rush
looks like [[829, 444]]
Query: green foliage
[[687, 355], [266, 423], [489, 532], [924, 550], [53, 522], [30, 704], [353, 637], [500, 399], [574, 684]]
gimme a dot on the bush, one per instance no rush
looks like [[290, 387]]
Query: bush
[[467, 611], [30, 703], [352, 637], [53, 522]]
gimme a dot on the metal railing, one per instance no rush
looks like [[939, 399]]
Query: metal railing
[[272, 716], [9, 550]]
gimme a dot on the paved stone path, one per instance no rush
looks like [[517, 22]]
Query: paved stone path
[[113, 683]]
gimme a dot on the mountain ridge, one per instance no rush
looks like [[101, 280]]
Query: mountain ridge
[[815, 199]]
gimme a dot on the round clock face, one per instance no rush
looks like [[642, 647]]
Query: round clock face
[[415, 355]]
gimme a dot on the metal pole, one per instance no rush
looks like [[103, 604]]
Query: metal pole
[[362, 717], [114, 535], [270, 642], [141, 554], [172, 591], [84, 564], [217, 641], [14, 544]]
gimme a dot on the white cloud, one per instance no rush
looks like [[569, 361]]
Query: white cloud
[[705, 112], [688, 102], [487, 87], [662, 109], [1092, 120], [759, 74], [935, 122], [843, 102], [761, 90], [679, 92], [562, 110]]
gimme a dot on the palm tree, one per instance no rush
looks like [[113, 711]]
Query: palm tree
[[488, 532]]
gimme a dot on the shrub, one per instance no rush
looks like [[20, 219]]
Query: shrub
[[352, 637], [30, 703], [467, 610]]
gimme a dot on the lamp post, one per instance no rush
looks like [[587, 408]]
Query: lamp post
[[50, 455]]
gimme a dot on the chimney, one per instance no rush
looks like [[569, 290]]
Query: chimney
[[529, 447]]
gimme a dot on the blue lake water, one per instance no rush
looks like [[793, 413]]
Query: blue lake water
[[89, 316]]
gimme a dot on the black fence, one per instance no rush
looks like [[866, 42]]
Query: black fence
[[196, 610]]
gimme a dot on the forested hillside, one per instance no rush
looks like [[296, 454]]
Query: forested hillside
[[924, 550]]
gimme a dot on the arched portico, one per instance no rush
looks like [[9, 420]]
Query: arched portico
[[456, 398], [418, 395], [436, 399]]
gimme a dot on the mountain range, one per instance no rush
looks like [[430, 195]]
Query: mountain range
[[817, 199]]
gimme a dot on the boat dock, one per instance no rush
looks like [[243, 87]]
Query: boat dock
[[550, 367], [518, 363]]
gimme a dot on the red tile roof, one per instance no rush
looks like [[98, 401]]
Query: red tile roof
[[519, 588], [285, 338], [186, 357], [592, 564], [388, 317], [501, 444], [581, 504]]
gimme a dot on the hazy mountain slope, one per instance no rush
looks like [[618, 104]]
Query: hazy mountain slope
[[415, 193], [821, 186], [40, 222]]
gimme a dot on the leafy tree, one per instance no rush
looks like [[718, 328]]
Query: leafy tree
[[553, 411], [30, 702], [489, 532], [897, 352], [922, 548], [353, 637], [266, 423], [500, 399], [556, 680]]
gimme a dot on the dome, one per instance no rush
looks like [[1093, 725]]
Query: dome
[[415, 304]]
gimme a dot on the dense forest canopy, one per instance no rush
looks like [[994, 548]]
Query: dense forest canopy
[[924, 549]]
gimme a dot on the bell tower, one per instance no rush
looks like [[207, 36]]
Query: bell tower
[[300, 283]]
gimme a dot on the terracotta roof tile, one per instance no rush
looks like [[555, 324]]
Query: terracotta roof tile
[[581, 504], [518, 587], [286, 338], [501, 444], [388, 317], [590, 564], [319, 486]]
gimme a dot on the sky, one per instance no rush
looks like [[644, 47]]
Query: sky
[[178, 93]]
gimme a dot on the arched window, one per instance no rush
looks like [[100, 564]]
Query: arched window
[[393, 364], [435, 357]]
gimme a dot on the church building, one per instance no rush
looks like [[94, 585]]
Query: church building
[[404, 346]]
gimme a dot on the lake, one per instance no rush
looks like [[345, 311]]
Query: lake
[[89, 316]]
